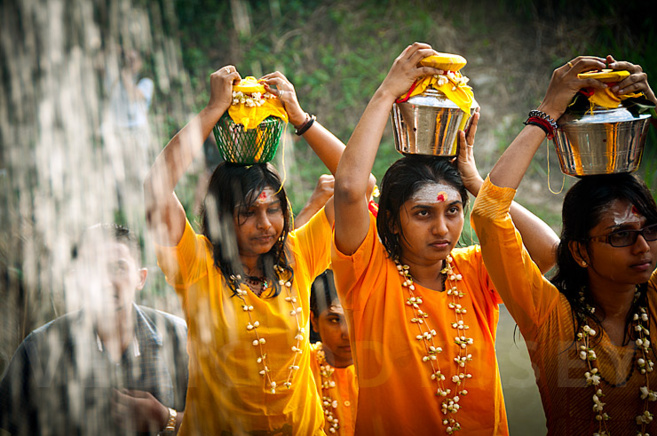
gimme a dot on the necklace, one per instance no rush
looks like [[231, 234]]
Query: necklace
[[329, 405], [642, 360], [259, 340], [257, 284], [451, 396]]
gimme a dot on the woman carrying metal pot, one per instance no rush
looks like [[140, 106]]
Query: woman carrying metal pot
[[244, 281], [422, 314], [588, 328]]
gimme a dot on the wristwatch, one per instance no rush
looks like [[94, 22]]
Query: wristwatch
[[170, 427]]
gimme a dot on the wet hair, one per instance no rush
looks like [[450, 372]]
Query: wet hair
[[583, 208], [233, 189], [323, 293], [104, 232], [402, 180]]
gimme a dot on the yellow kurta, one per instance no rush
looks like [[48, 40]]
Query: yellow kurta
[[344, 393], [226, 393], [545, 320], [396, 393]]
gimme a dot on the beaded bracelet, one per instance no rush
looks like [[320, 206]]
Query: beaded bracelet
[[310, 119], [533, 122], [546, 121]]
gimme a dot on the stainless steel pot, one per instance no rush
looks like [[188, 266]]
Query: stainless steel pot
[[428, 124], [604, 141]]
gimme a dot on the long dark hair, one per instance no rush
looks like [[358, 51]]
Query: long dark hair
[[233, 189], [583, 208], [403, 179]]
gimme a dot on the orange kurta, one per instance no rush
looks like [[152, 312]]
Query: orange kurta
[[545, 320], [226, 393], [396, 393], [344, 395]]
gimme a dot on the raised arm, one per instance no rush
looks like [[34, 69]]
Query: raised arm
[[352, 176], [165, 215], [512, 165], [324, 143], [541, 241], [321, 194]]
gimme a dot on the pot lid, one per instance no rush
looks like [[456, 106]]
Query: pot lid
[[249, 85], [445, 61]]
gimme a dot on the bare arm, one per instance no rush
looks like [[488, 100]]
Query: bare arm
[[511, 167], [324, 143], [352, 176], [539, 239], [165, 215], [321, 194]]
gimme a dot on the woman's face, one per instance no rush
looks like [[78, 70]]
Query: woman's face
[[431, 222], [259, 226], [613, 266], [332, 328]]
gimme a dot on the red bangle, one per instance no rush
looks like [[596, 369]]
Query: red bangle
[[543, 124]]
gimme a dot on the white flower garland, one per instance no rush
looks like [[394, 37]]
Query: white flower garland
[[450, 405], [253, 99], [328, 403], [260, 341], [643, 362]]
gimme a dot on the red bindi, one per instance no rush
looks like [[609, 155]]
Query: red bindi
[[635, 211], [442, 196]]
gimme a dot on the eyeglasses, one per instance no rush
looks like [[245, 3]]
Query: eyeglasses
[[625, 238]]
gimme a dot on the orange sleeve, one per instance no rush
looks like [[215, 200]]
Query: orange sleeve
[[185, 263], [528, 295]]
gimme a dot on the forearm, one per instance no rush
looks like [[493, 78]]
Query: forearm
[[325, 144], [358, 158], [179, 153], [514, 162]]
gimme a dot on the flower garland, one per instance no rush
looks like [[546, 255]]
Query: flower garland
[[254, 99], [450, 405], [329, 405], [593, 376], [260, 341]]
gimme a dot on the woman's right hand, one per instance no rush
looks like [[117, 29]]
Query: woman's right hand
[[565, 84], [221, 87], [406, 69]]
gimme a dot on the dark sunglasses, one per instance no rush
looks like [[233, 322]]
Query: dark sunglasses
[[625, 238]]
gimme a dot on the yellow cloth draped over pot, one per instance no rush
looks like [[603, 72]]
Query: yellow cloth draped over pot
[[460, 94], [455, 89], [604, 97], [251, 116]]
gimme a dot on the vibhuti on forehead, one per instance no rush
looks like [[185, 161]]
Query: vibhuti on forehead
[[630, 214], [433, 193], [267, 196]]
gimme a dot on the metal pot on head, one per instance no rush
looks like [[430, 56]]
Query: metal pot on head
[[427, 124], [601, 141]]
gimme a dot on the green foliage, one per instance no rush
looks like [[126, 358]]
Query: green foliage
[[337, 52]]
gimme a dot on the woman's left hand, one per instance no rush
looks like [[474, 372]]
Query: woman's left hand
[[465, 158], [277, 84], [637, 81]]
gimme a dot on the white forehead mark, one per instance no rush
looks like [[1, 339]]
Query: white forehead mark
[[432, 193], [266, 196], [628, 215], [336, 308]]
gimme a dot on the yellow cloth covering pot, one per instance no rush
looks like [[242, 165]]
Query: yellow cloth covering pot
[[252, 104]]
